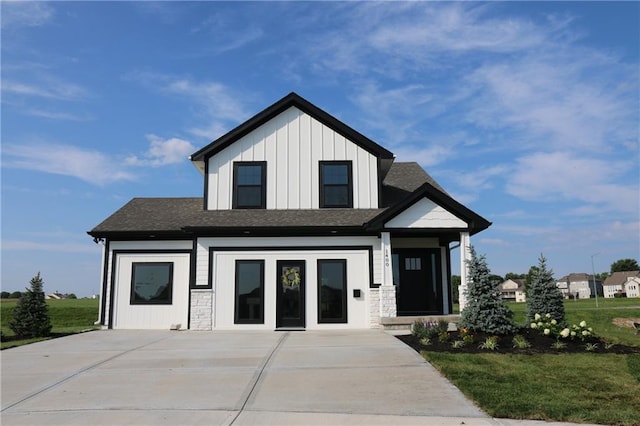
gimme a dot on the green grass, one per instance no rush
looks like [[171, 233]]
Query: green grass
[[67, 317], [587, 388], [599, 318]]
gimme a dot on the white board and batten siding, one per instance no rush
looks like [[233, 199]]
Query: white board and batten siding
[[293, 143], [128, 316], [426, 214]]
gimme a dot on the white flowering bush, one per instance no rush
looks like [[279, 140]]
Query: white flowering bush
[[548, 326], [581, 331]]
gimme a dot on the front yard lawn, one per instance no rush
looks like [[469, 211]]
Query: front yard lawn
[[580, 388]]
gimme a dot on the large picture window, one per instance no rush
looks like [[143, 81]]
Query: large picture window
[[336, 186], [332, 291], [249, 185], [151, 283], [249, 300]]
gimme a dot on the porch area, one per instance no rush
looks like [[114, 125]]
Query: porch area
[[399, 324]]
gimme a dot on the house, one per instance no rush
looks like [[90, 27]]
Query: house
[[622, 282], [513, 290], [304, 223], [55, 296], [579, 286]]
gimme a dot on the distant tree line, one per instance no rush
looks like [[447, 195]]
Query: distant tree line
[[19, 294]]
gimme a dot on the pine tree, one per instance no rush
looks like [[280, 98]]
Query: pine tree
[[543, 295], [485, 310], [31, 315]]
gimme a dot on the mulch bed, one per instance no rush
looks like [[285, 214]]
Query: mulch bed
[[539, 344]]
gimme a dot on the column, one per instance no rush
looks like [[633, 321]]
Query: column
[[465, 255], [387, 289]]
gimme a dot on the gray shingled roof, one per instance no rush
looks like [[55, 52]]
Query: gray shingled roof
[[620, 277], [174, 214], [170, 215]]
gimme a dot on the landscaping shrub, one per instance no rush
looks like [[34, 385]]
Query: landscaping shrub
[[31, 315], [485, 310], [543, 295]]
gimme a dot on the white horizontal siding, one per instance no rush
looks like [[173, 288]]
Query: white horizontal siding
[[292, 144], [426, 214]]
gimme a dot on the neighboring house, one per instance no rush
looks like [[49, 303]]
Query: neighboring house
[[513, 291], [579, 286], [623, 282], [304, 223], [55, 296], [632, 287]]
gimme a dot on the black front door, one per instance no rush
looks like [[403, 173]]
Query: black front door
[[290, 283], [419, 281]]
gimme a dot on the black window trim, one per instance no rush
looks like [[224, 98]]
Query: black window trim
[[349, 184], [263, 184], [132, 298], [344, 318], [236, 318]]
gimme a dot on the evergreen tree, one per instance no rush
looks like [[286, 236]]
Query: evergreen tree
[[485, 310], [31, 315], [543, 295]]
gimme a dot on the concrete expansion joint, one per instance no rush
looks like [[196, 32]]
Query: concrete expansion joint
[[256, 378], [81, 371]]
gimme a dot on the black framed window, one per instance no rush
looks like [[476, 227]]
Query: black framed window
[[151, 283], [249, 300], [336, 184], [249, 184], [332, 291]]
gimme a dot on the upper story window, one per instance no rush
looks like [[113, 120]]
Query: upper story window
[[249, 184], [336, 185]]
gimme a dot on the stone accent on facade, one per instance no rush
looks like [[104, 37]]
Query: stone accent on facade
[[201, 310], [374, 307], [387, 301]]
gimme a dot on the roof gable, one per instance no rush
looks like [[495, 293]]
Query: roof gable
[[473, 222], [425, 214], [291, 100], [620, 277]]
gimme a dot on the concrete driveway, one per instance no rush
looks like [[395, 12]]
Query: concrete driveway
[[240, 378]]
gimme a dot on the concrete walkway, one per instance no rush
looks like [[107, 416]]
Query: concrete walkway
[[229, 378]]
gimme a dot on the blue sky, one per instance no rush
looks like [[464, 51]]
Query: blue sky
[[525, 112]]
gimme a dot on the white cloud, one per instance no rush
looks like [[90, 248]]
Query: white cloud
[[453, 27], [162, 152], [49, 87], [396, 39], [55, 115], [218, 106], [567, 176], [25, 14], [426, 157], [563, 99], [88, 165], [392, 111]]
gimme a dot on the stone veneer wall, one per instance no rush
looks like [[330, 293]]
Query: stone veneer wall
[[201, 310], [374, 307], [388, 301]]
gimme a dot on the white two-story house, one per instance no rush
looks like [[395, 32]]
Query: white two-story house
[[304, 223]]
